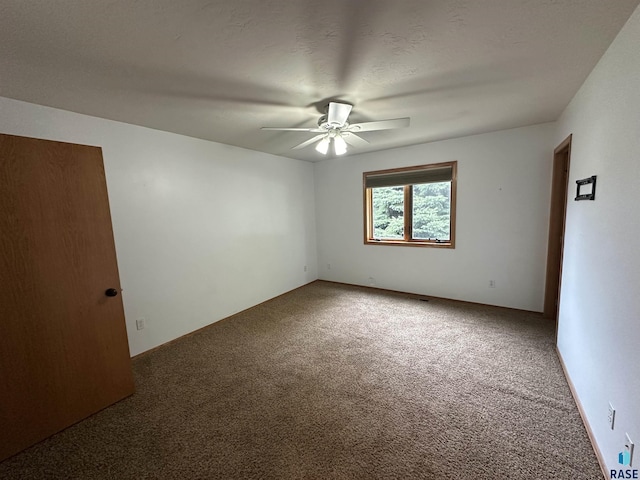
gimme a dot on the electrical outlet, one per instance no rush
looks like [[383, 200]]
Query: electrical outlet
[[612, 415], [305, 268], [492, 284], [140, 323], [628, 447], [328, 266]]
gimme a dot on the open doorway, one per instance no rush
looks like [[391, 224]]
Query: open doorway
[[559, 194]]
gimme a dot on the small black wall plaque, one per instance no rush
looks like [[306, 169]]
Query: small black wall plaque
[[586, 189]]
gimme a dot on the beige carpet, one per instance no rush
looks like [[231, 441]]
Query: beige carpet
[[331, 381]]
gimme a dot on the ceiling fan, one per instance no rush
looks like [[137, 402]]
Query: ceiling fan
[[334, 127]]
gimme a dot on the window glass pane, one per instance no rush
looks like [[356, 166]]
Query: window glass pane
[[388, 212], [431, 214]]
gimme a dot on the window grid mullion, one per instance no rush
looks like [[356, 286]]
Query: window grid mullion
[[408, 209]]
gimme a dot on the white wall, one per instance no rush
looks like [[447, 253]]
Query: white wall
[[202, 230], [599, 326], [504, 185]]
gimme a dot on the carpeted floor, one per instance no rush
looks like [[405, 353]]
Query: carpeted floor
[[337, 382]]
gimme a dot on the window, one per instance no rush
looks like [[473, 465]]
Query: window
[[411, 206]]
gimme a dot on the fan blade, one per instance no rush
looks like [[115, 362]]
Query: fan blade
[[380, 125], [315, 130], [338, 113], [309, 142], [354, 140]]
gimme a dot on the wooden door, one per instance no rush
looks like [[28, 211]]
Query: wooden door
[[63, 343]]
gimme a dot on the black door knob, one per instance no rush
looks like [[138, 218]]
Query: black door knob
[[111, 292]]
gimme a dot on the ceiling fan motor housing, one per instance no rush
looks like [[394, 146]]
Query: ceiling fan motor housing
[[323, 123]]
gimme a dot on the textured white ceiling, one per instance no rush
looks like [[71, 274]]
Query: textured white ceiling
[[220, 70]]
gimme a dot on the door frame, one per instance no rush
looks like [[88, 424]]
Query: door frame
[[557, 224]]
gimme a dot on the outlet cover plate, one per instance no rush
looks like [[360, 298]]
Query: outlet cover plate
[[628, 445], [611, 418]]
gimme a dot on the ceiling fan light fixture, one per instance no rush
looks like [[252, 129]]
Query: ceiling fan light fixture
[[323, 145], [334, 125], [339, 145]]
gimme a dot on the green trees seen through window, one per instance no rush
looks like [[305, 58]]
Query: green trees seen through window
[[431, 216]]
